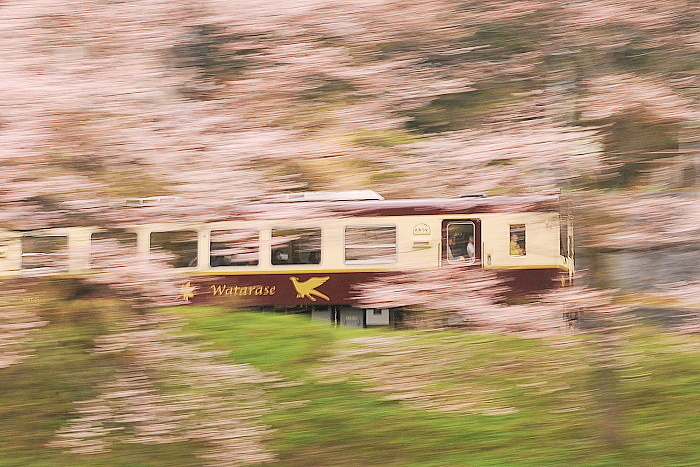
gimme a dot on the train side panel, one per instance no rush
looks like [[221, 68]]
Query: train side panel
[[419, 245]]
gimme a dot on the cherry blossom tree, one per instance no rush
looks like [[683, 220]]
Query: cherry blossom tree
[[216, 106]]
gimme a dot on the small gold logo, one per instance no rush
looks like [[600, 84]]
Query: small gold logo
[[187, 291], [308, 287]]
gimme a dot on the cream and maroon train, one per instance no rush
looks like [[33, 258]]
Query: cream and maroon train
[[313, 261]]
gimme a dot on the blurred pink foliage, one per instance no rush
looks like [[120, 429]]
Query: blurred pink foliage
[[138, 279], [218, 404], [219, 104], [459, 296], [645, 221], [469, 297]]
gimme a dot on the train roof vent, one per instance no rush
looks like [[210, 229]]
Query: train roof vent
[[473, 195], [349, 195], [149, 201]]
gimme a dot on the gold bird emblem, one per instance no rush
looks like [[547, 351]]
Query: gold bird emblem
[[308, 288]]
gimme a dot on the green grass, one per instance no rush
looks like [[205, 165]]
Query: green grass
[[341, 423], [287, 344], [330, 408], [382, 138]]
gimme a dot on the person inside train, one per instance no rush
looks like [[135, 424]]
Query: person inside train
[[471, 249], [280, 257], [515, 248], [314, 257], [456, 249]]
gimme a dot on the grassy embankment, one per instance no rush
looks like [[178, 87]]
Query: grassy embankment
[[377, 397]]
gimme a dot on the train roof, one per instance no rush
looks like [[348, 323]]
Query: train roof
[[414, 207]]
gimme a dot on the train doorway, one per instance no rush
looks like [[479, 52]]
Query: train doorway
[[461, 242]]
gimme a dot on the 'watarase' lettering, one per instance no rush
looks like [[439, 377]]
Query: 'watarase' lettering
[[236, 290]]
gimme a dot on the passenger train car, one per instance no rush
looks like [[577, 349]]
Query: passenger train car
[[314, 261]]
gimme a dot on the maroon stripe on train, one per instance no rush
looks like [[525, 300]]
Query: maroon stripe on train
[[325, 288]]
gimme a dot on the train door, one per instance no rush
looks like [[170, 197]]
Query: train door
[[461, 241]]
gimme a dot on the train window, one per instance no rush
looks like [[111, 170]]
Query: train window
[[180, 244], [517, 240], [125, 239], [369, 244], [460, 242], [233, 248], [296, 246], [45, 251]]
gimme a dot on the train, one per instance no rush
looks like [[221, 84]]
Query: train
[[311, 262]]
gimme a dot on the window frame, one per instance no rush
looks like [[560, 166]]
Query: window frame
[[97, 232], [62, 268], [447, 233], [196, 242], [235, 266], [524, 246], [292, 229], [395, 245]]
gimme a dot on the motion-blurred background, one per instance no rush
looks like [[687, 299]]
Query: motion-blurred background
[[214, 104]]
